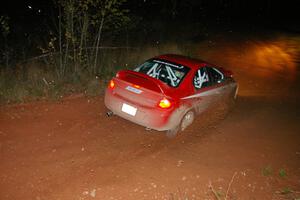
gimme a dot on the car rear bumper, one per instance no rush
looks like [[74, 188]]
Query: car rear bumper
[[153, 118]]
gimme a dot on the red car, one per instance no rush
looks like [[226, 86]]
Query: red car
[[166, 92]]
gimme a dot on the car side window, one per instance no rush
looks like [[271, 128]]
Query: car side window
[[201, 78], [216, 76]]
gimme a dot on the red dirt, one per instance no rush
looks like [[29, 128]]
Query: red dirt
[[71, 150]]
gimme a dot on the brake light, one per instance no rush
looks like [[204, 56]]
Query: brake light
[[164, 103], [111, 84], [136, 86]]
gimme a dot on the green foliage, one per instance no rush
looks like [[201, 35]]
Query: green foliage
[[37, 80], [282, 173], [286, 191]]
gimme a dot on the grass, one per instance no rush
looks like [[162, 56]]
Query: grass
[[38, 78], [268, 171], [179, 195], [282, 173], [286, 191], [219, 194]]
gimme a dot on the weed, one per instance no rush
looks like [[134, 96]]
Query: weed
[[267, 171], [178, 195], [286, 191], [219, 194], [39, 79], [282, 173]]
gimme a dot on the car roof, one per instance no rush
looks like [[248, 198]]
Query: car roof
[[182, 60]]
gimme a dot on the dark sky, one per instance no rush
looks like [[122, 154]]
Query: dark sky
[[266, 9], [36, 15]]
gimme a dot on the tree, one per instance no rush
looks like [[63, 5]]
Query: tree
[[5, 30], [80, 28]]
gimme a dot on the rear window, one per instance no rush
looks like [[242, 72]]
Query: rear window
[[169, 73]]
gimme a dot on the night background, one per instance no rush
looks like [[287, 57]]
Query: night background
[[56, 141], [31, 22], [73, 40]]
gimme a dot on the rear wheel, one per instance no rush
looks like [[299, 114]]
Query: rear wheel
[[172, 132], [186, 120]]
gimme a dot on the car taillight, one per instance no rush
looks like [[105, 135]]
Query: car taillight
[[164, 103], [136, 86], [111, 84]]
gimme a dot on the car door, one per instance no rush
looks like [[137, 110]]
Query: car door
[[219, 84], [208, 82], [202, 85]]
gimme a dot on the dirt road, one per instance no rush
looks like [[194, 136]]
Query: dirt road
[[70, 150]]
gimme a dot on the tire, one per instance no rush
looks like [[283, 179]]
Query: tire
[[231, 103], [224, 108], [172, 132], [186, 121]]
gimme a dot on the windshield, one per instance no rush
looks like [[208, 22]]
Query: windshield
[[169, 73]]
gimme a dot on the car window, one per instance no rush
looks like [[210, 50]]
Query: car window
[[201, 78], [207, 76], [216, 75], [169, 73]]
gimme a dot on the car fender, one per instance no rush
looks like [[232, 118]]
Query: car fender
[[177, 115]]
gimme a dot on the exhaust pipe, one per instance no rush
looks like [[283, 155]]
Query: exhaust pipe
[[109, 113]]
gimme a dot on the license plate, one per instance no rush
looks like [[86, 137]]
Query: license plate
[[132, 89], [129, 109]]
